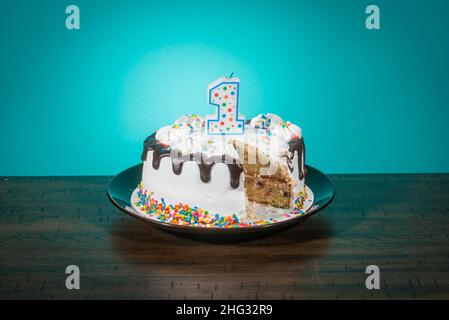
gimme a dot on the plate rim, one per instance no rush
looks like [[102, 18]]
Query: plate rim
[[215, 230]]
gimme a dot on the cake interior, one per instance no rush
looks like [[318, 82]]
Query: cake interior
[[272, 186]]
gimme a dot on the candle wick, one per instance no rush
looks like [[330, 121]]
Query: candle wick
[[230, 77]]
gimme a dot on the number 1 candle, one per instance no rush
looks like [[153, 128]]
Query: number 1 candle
[[224, 95]]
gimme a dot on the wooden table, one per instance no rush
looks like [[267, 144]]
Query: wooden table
[[397, 222]]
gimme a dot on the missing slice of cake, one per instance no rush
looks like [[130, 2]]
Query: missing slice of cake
[[267, 177]]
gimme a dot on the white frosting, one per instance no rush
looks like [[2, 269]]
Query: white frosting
[[191, 122], [265, 121], [188, 145], [220, 145], [216, 196], [168, 135], [287, 130]]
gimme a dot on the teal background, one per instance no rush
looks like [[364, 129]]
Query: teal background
[[82, 102]]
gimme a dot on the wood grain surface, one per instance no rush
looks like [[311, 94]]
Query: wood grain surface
[[397, 222]]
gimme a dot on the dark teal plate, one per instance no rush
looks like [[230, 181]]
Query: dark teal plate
[[122, 186]]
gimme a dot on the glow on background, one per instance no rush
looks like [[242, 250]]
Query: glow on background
[[170, 82], [82, 102]]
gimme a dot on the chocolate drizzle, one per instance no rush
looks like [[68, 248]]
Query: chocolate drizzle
[[298, 146], [205, 163], [177, 168]]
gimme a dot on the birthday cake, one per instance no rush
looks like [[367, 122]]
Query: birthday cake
[[224, 171]]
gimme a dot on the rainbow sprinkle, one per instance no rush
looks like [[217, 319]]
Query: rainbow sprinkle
[[183, 214], [285, 124]]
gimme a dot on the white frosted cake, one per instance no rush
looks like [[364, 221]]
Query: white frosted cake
[[192, 178]]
